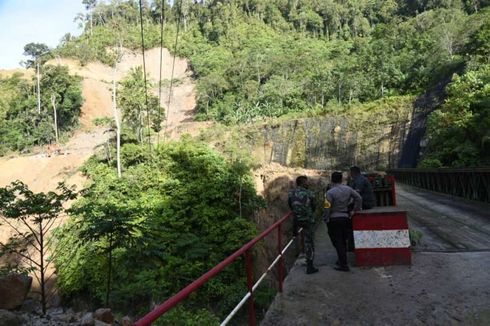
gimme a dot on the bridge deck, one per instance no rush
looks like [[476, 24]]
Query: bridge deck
[[441, 287]]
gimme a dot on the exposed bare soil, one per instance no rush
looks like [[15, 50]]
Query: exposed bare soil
[[47, 166], [98, 82], [42, 172]]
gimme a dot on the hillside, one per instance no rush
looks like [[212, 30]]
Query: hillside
[[254, 60], [45, 167], [42, 173], [269, 88]]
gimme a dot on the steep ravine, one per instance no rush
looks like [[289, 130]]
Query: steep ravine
[[423, 106]]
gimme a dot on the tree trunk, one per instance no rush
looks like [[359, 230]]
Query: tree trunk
[[109, 272], [41, 269], [140, 128], [53, 102], [38, 90], [118, 124], [339, 100], [258, 71], [240, 195], [108, 151]]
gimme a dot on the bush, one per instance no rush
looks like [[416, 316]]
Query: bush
[[21, 125], [430, 163], [458, 132], [171, 217]]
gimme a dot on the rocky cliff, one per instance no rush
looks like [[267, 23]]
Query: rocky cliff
[[369, 135]]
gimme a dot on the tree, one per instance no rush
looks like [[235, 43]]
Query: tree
[[174, 215], [459, 132], [38, 53], [110, 221], [21, 125], [68, 95], [132, 100], [89, 6], [31, 216]]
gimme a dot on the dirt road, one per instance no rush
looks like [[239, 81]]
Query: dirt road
[[447, 284]]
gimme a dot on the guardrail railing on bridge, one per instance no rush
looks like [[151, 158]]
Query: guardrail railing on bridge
[[471, 183], [246, 250]]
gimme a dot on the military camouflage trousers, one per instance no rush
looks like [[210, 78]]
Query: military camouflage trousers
[[308, 235]]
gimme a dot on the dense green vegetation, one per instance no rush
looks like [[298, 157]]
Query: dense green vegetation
[[316, 51], [459, 132], [180, 208], [139, 109], [21, 124], [261, 58], [174, 214]]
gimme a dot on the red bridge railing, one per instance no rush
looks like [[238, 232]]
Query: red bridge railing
[[246, 250]]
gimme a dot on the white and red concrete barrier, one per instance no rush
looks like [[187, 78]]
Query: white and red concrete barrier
[[381, 237]]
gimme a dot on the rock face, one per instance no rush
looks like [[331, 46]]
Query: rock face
[[87, 319], [104, 315], [13, 290], [8, 318], [370, 135], [337, 142]]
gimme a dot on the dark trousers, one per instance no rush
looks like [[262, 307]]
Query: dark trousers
[[338, 229], [350, 236], [309, 237]]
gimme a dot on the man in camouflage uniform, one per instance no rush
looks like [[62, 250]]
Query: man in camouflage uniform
[[302, 203]]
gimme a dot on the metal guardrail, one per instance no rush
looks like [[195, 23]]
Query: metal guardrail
[[469, 183], [246, 250]]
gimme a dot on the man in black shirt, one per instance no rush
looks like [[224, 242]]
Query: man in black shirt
[[362, 185]]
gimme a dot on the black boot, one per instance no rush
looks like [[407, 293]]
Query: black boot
[[342, 268], [310, 269]]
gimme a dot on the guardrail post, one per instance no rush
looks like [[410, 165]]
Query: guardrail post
[[250, 283], [280, 267]]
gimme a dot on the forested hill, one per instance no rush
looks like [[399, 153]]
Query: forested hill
[[268, 58], [153, 218]]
